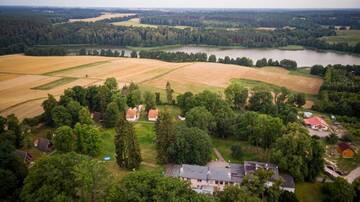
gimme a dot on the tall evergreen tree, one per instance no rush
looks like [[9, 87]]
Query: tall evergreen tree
[[126, 146], [169, 93], [112, 115], [164, 129]]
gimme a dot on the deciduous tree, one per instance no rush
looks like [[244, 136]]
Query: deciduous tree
[[64, 139]]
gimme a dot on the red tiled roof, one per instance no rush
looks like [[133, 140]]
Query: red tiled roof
[[153, 113], [130, 113], [315, 121]]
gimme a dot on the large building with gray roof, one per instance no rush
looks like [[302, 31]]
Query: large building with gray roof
[[214, 177]]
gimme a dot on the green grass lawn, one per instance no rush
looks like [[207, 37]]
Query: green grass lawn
[[303, 72], [308, 192], [292, 47], [55, 83], [146, 137], [250, 153]]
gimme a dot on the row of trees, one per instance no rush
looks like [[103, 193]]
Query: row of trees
[[45, 51]]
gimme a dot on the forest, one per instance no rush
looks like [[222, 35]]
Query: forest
[[50, 28]]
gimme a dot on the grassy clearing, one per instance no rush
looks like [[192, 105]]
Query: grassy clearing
[[352, 37], [154, 48], [54, 84], [250, 153], [308, 192], [292, 47], [134, 22], [256, 84], [93, 64], [303, 72], [146, 136]]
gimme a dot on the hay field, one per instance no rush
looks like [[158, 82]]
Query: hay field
[[26, 73], [219, 75], [104, 16], [20, 64]]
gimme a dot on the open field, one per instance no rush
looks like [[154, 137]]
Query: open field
[[21, 74], [19, 64], [103, 17], [135, 22], [344, 36]]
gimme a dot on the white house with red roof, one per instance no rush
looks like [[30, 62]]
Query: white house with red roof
[[316, 123], [153, 114]]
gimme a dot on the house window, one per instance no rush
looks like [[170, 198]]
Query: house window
[[221, 182], [199, 180], [216, 182]]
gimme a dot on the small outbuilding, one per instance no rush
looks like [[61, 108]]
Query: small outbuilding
[[345, 150], [24, 156], [43, 144], [153, 114]]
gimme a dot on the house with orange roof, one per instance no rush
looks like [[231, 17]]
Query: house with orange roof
[[153, 114], [316, 123], [131, 114], [345, 150]]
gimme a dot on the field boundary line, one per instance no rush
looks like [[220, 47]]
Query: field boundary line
[[93, 64], [163, 74], [54, 84]]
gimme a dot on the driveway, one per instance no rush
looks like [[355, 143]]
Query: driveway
[[353, 175]]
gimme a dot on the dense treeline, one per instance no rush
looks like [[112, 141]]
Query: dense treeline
[[34, 28], [340, 92], [45, 51], [255, 18]]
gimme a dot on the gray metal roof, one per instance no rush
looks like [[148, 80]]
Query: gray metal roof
[[221, 174], [194, 172], [228, 173], [288, 180]]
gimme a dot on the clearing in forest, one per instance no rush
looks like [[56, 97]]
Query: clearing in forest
[[103, 17]]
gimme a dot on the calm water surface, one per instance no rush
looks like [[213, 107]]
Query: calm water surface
[[302, 57]]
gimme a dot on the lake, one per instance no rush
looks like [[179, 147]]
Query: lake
[[304, 58]]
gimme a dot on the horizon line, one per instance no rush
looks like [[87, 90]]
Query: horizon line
[[245, 8]]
